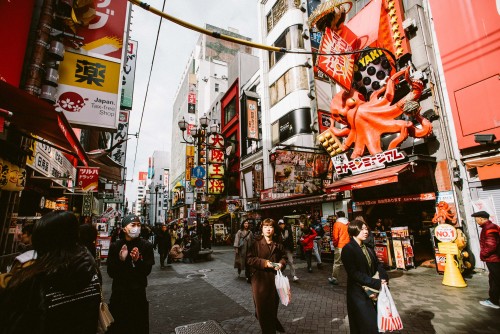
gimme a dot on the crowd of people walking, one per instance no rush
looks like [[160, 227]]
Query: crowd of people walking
[[54, 284]]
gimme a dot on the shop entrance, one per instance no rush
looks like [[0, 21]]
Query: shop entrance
[[417, 216]]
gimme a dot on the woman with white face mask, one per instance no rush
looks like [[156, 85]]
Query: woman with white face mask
[[129, 263]]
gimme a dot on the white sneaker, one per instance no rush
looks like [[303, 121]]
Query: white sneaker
[[295, 278], [488, 303]]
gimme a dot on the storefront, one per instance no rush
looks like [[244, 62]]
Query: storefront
[[403, 198], [221, 228]]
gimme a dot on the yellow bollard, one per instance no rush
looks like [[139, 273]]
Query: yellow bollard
[[452, 275]]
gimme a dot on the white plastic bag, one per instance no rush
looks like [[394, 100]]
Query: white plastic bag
[[283, 288], [388, 318]]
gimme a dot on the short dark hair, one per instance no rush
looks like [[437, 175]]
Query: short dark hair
[[340, 214], [28, 228], [354, 228]]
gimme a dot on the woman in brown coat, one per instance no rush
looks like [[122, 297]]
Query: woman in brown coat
[[265, 257]]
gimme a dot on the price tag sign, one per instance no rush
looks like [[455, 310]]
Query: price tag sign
[[448, 248]]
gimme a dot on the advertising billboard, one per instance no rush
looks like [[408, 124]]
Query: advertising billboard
[[88, 91]]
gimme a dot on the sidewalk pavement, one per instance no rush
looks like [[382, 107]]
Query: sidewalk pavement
[[184, 294]]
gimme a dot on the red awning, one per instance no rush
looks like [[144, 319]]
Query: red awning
[[298, 201], [371, 179], [32, 115], [488, 168]]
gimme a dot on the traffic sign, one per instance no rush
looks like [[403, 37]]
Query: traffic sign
[[199, 183], [199, 172]]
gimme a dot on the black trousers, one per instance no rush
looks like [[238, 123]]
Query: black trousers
[[130, 309], [494, 280]]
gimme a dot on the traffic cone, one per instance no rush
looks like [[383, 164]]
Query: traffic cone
[[452, 275]]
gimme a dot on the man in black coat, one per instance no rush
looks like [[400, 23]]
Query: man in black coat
[[163, 244], [206, 235], [130, 261]]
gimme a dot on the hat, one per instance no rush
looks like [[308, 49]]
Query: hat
[[129, 219], [281, 221], [482, 214]]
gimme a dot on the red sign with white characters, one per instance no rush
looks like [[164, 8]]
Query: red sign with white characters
[[88, 178], [104, 35]]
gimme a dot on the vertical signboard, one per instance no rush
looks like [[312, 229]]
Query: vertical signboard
[[128, 75], [252, 120], [119, 138], [189, 161]]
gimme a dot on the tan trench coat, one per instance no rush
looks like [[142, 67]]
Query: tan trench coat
[[265, 297]]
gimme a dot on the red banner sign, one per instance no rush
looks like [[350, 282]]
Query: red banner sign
[[88, 178]]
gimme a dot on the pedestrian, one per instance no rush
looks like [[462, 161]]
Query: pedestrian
[[25, 259], [287, 241], [25, 238], [265, 256], [320, 232], [163, 244], [173, 233], [129, 263], [206, 236], [176, 254], [307, 242], [191, 248], [363, 271], [242, 242], [340, 238], [489, 242], [88, 237], [60, 291]]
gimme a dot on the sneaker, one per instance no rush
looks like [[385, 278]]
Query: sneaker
[[310, 270], [488, 303], [295, 278], [333, 280]]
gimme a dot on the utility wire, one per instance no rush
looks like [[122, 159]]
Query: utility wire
[[147, 90], [236, 40]]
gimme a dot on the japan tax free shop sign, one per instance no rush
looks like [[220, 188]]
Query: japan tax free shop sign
[[88, 90]]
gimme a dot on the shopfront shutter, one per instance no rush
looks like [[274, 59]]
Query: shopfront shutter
[[493, 192]]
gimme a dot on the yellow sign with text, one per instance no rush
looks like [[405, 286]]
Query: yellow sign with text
[[89, 72]]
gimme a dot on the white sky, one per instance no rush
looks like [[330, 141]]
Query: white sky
[[175, 45]]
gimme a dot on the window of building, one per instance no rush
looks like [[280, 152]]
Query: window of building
[[278, 10], [291, 38], [216, 87], [230, 110], [292, 80]]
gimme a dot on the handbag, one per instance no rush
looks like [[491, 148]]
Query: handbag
[[105, 318], [283, 288], [388, 318], [242, 240]]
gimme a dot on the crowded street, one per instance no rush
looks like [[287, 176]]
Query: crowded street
[[184, 294]]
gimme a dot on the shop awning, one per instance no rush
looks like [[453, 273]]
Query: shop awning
[[34, 116], [488, 168], [218, 216], [299, 201], [371, 179]]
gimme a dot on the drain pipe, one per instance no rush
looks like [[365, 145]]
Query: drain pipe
[[36, 65]]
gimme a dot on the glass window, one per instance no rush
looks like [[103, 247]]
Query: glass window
[[279, 9], [294, 79], [291, 38], [230, 110]]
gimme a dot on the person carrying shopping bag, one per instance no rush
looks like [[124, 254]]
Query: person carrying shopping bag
[[365, 276], [265, 257]]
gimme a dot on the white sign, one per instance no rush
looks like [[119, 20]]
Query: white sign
[[445, 233], [118, 153]]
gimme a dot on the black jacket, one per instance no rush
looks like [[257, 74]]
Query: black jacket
[[163, 242], [60, 299], [127, 275], [361, 310]]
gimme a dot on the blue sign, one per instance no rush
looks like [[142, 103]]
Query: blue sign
[[199, 172]]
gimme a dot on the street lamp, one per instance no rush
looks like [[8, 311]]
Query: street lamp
[[207, 140]]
